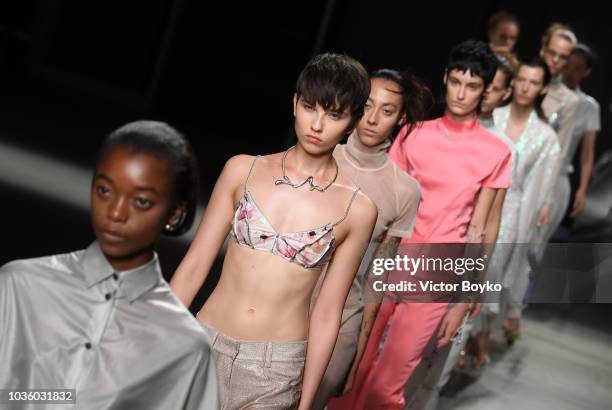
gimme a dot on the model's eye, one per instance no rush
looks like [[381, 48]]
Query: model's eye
[[388, 112], [368, 106], [335, 115], [473, 87], [102, 190], [307, 106], [144, 203]]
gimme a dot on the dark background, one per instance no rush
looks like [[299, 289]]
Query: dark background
[[222, 72]]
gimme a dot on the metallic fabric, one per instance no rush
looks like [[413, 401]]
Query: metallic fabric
[[257, 375], [122, 340]]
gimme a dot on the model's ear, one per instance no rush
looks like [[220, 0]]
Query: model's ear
[[176, 217], [542, 52], [403, 119], [507, 94], [588, 72], [445, 78], [295, 100], [544, 90]]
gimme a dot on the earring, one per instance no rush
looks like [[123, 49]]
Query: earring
[[169, 228]]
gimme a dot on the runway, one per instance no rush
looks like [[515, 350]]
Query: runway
[[563, 360]]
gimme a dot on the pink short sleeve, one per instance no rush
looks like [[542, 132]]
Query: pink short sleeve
[[500, 175]]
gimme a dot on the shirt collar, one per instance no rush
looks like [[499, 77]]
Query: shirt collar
[[135, 282]]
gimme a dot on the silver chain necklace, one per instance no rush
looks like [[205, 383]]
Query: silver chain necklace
[[309, 180]]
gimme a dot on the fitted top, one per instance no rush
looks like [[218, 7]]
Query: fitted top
[[452, 161], [310, 248]]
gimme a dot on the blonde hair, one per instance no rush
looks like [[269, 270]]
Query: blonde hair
[[559, 30]]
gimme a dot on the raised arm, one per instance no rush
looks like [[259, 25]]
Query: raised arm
[[213, 229], [327, 312]]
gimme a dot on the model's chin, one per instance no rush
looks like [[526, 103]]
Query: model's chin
[[114, 249], [371, 141]]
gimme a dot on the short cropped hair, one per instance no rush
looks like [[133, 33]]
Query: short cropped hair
[[475, 56], [162, 141], [336, 82]]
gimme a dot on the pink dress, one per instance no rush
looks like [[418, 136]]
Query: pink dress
[[451, 161]]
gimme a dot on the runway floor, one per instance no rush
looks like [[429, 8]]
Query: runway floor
[[563, 360]]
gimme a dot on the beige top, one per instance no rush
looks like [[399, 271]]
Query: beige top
[[395, 193]]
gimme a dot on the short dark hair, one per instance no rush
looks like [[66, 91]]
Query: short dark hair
[[588, 54], [335, 81], [475, 56], [162, 141], [538, 62], [500, 17], [417, 99]]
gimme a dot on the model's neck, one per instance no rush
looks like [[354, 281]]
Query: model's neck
[[572, 87], [131, 261], [365, 156], [520, 112], [486, 115], [306, 164], [461, 118]]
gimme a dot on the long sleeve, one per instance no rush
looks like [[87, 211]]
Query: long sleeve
[[540, 180], [565, 131]]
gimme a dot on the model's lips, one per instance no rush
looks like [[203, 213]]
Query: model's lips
[[369, 132], [313, 139], [112, 236]]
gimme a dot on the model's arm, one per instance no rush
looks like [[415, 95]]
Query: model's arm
[[386, 249], [476, 233], [494, 218], [327, 312], [213, 229], [543, 177], [564, 135], [587, 157]]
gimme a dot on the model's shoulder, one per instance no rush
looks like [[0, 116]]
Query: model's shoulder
[[426, 125], [404, 182], [363, 207], [592, 102], [41, 265], [546, 130], [239, 162]]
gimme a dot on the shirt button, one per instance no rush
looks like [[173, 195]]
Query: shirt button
[[107, 296], [87, 345], [115, 276]]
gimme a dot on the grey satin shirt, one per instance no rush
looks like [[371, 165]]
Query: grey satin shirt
[[121, 339]]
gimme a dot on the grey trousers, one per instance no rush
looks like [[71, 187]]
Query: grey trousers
[[257, 375]]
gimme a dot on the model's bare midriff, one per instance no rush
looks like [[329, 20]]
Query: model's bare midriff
[[260, 296]]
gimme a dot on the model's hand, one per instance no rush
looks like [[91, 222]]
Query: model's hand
[[451, 323], [544, 216], [476, 308], [579, 202]]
